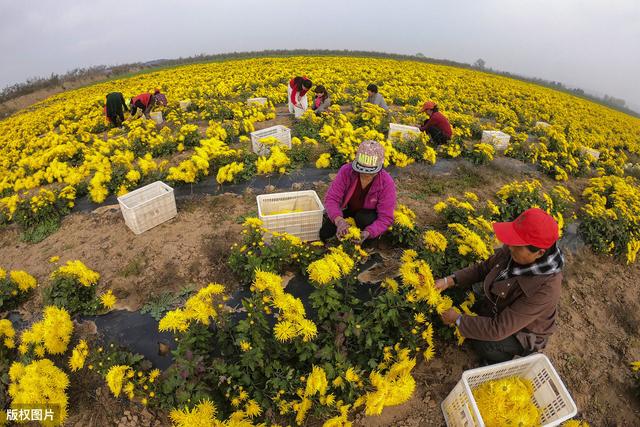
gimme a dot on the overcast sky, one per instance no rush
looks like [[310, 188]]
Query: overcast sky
[[590, 44]]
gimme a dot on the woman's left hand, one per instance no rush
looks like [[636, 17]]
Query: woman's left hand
[[450, 316], [363, 236]]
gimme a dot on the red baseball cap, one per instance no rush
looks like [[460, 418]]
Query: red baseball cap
[[532, 227], [429, 105]]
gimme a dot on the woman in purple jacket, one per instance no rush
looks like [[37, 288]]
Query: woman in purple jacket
[[362, 191]]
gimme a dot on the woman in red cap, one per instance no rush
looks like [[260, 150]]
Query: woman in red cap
[[521, 287], [362, 190], [437, 125]]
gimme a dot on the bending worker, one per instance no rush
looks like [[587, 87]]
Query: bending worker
[[144, 102], [362, 190], [521, 285], [297, 95], [437, 125], [114, 108]]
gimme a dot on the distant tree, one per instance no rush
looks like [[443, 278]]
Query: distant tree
[[420, 55], [479, 64], [618, 102]]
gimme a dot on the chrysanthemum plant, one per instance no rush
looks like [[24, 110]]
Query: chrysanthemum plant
[[260, 249], [610, 218], [73, 287], [15, 288]]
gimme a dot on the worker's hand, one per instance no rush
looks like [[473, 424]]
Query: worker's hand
[[450, 316], [364, 235], [342, 227], [444, 283]]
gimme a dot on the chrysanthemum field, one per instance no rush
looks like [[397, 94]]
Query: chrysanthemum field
[[280, 331]]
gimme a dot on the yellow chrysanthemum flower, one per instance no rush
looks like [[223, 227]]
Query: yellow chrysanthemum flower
[[79, 271], [108, 300], [24, 280]]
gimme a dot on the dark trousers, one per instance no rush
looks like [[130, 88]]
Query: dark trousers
[[363, 218], [437, 136], [498, 351]]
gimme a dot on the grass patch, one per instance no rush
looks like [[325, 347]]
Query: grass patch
[[133, 267], [463, 178], [432, 186], [466, 177], [40, 231]]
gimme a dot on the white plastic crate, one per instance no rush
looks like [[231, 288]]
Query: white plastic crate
[[404, 130], [592, 152], [184, 105], [261, 101], [156, 116], [543, 124], [499, 140], [148, 206], [549, 393], [304, 224], [281, 133]]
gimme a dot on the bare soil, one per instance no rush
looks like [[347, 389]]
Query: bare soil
[[189, 249], [599, 315]]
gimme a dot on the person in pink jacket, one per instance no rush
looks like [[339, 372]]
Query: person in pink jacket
[[362, 190]]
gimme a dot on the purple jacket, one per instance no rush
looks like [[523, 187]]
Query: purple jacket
[[381, 197]]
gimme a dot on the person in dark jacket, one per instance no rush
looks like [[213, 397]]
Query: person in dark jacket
[[144, 102], [114, 108], [521, 283], [437, 125], [322, 101]]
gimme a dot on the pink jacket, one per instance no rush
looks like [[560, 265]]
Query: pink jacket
[[381, 197]]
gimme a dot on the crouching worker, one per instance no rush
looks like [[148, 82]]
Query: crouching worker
[[375, 98], [522, 284], [362, 190], [437, 125], [322, 102]]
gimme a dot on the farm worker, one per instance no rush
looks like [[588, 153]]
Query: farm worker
[[322, 101], [375, 98], [522, 283], [296, 95], [362, 190], [114, 108], [144, 102], [160, 98], [437, 125]]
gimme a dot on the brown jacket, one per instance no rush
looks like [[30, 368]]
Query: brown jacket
[[521, 305]]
